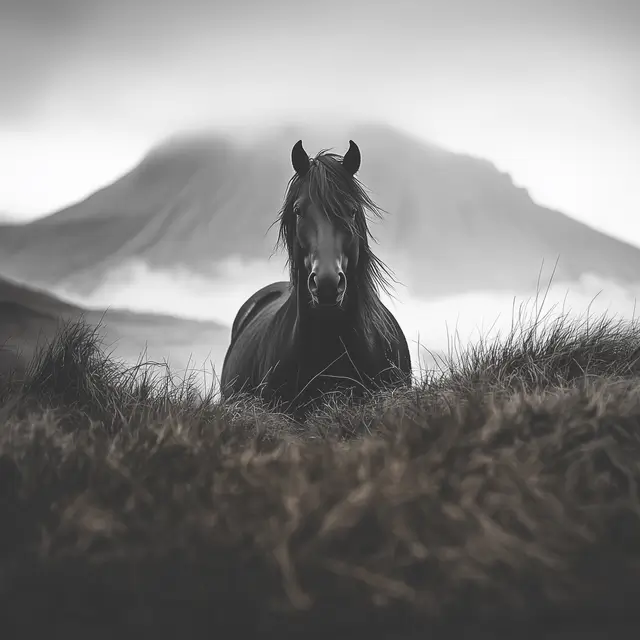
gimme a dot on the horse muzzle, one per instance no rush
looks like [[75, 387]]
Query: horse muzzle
[[327, 289]]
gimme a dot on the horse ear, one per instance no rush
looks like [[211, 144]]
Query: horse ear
[[351, 160], [299, 159]]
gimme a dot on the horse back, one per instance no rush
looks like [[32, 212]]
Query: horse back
[[257, 302]]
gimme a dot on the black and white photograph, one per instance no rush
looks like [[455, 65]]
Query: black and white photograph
[[319, 318]]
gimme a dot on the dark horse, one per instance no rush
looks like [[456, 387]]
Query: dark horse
[[326, 329]]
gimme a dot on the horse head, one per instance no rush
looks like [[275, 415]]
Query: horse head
[[326, 220]]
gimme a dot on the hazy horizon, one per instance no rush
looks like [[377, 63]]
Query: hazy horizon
[[432, 327], [548, 91]]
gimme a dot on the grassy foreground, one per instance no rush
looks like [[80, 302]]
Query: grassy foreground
[[497, 500]]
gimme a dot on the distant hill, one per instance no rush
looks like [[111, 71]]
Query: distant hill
[[455, 223], [29, 317]]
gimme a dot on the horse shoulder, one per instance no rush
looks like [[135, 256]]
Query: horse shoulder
[[247, 359], [256, 302]]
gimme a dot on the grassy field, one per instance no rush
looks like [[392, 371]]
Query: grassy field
[[496, 499]]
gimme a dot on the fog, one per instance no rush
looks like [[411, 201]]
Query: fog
[[432, 327]]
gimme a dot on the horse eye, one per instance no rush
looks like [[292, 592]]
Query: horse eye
[[296, 210]]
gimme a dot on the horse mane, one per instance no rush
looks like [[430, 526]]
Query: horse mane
[[330, 184]]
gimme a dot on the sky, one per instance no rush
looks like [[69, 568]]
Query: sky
[[546, 89]]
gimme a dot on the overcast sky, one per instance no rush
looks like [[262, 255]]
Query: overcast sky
[[549, 89]]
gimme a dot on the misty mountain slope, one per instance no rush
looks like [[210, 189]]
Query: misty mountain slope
[[455, 223], [179, 206], [29, 317]]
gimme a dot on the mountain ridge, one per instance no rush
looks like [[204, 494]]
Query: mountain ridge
[[456, 222]]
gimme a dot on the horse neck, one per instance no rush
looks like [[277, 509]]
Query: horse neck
[[344, 326]]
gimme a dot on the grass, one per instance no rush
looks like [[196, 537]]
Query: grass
[[496, 498]]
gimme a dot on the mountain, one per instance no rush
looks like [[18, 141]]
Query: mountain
[[455, 223], [28, 317]]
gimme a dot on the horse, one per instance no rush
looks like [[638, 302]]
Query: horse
[[326, 329]]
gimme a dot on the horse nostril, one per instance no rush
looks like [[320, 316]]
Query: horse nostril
[[342, 283], [312, 283], [327, 288]]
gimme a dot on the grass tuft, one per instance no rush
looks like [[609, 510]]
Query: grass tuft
[[499, 495]]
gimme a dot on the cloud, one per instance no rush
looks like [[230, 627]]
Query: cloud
[[430, 325], [181, 292]]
